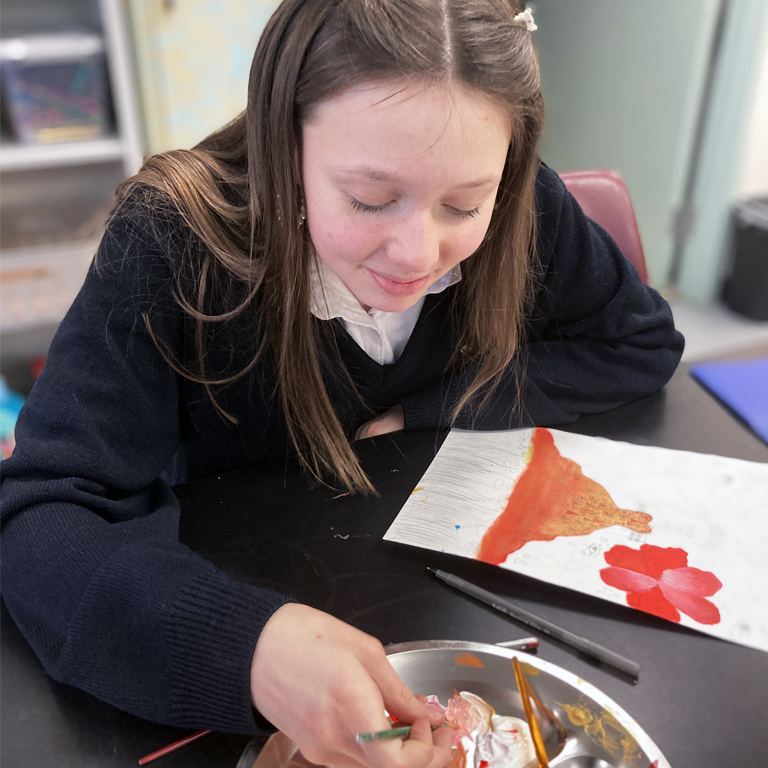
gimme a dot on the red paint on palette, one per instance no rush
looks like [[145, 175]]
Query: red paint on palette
[[658, 580], [552, 497]]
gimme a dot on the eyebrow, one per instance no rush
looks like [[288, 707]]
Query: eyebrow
[[371, 172]]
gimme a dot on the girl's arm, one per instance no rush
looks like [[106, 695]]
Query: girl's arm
[[597, 337], [92, 569]]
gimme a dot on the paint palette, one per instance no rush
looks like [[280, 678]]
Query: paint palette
[[591, 730]]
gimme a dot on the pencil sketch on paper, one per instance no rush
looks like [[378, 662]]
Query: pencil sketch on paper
[[636, 525]]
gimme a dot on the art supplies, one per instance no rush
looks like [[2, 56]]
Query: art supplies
[[584, 645], [578, 723], [169, 748], [677, 534]]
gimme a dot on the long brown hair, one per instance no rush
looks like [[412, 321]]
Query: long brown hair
[[239, 192]]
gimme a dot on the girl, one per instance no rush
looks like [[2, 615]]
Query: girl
[[373, 245]]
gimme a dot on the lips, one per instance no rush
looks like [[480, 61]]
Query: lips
[[398, 287]]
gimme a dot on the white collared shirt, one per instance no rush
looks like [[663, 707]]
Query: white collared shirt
[[381, 335]]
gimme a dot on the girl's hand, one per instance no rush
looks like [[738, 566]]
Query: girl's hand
[[322, 682], [391, 421]]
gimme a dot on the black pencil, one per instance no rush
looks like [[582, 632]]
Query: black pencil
[[588, 647]]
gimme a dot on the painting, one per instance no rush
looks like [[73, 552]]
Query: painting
[[677, 534]]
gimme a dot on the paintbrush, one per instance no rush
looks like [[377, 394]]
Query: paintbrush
[[172, 747], [399, 732], [525, 695], [517, 613]]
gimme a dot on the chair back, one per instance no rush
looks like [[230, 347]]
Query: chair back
[[604, 198]]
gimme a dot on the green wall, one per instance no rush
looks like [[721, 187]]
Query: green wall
[[622, 81]]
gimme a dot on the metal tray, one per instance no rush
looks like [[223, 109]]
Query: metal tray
[[592, 731]]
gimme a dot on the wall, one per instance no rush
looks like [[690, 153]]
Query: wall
[[753, 179], [622, 83], [717, 185], [193, 61]]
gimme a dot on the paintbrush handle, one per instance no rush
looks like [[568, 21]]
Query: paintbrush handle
[[533, 725], [172, 747], [391, 733], [595, 650], [400, 731]]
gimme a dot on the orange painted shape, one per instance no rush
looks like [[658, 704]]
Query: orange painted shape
[[458, 758], [552, 497], [468, 660]]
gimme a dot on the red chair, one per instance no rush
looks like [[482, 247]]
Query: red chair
[[604, 198]]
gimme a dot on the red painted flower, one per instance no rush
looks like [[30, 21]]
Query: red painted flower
[[658, 580]]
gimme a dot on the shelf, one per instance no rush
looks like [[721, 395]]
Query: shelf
[[37, 285], [18, 157]]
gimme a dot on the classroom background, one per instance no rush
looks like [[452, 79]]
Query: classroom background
[[672, 94]]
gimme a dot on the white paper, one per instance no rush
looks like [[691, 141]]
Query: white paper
[[714, 508]]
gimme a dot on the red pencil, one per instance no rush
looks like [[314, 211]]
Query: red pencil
[[172, 747]]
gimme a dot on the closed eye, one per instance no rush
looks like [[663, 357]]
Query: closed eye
[[462, 214], [365, 208], [358, 206]]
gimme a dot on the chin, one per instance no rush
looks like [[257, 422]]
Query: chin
[[392, 303]]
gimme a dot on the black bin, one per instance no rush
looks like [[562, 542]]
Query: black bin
[[746, 290]]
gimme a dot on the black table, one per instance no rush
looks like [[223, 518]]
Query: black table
[[703, 701]]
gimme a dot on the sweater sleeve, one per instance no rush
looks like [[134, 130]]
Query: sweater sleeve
[[596, 339], [92, 568]]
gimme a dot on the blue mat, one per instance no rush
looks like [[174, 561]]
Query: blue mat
[[742, 385]]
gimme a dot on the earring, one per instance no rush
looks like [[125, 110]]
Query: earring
[[302, 212]]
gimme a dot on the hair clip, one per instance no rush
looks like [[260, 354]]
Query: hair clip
[[526, 17]]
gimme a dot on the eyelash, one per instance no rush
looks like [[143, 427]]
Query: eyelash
[[358, 206]]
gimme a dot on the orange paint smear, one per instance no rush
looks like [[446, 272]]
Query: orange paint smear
[[458, 758], [468, 660], [552, 497]]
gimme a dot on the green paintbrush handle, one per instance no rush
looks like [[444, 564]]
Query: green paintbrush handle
[[392, 733]]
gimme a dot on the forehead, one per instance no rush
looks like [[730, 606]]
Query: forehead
[[396, 128]]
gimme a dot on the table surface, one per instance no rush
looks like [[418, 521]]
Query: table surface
[[702, 700]]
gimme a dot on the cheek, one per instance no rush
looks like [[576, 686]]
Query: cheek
[[337, 239], [470, 240]]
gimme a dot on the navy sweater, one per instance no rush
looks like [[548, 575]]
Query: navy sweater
[[92, 568]]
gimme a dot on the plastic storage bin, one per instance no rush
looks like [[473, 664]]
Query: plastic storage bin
[[54, 86], [746, 291]]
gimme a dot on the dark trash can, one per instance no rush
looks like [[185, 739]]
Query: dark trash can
[[746, 290]]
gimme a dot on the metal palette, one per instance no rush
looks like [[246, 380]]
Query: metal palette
[[590, 729]]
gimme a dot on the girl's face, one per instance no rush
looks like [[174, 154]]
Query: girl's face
[[399, 185]]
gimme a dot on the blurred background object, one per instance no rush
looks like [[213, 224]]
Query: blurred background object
[[746, 289], [671, 94], [71, 131], [193, 59]]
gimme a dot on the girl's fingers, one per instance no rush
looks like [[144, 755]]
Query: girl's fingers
[[442, 738], [416, 751], [436, 713], [398, 699], [296, 684]]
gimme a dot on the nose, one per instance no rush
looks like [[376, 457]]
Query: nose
[[416, 247]]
